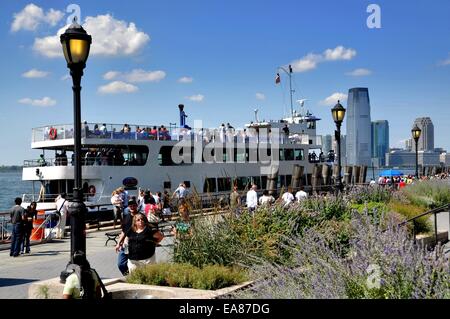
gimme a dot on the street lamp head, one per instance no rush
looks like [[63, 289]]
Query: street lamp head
[[416, 131], [76, 44], [338, 113]]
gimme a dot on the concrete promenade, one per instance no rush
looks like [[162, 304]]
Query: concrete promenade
[[48, 260]]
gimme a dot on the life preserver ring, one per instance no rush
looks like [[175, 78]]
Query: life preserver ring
[[92, 190], [53, 133]]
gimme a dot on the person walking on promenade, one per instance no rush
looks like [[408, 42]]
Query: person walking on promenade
[[266, 199], [122, 246], [62, 210], [235, 202], [117, 202], [165, 205], [287, 197], [301, 195], [28, 216], [17, 213], [180, 192], [252, 199], [142, 241]]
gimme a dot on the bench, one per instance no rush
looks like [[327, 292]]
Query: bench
[[112, 235]]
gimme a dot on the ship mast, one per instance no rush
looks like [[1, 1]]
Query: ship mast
[[291, 91]]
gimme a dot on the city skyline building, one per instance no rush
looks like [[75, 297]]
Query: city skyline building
[[426, 140], [358, 141], [380, 142]]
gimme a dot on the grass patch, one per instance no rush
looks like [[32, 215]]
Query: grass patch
[[210, 277], [423, 224]]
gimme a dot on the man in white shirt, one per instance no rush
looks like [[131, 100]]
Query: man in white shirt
[[287, 197], [252, 199], [301, 194], [62, 209], [266, 199]]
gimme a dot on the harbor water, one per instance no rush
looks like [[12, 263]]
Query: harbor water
[[12, 186]]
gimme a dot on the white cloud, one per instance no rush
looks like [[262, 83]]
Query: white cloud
[[111, 75], [185, 79], [196, 98], [32, 16], [306, 63], [33, 73], [136, 76], [110, 37], [65, 77], [139, 75], [339, 53], [260, 96], [359, 72], [333, 98], [117, 87], [311, 60], [45, 101]]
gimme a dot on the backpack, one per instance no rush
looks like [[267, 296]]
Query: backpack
[[88, 276]]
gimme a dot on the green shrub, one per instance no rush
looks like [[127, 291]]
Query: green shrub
[[266, 235], [431, 193], [409, 211], [187, 276]]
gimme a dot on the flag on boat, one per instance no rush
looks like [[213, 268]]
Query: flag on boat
[[277, 79]]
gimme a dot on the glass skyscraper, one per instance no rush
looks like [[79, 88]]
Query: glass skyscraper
[[359, 136], [380, 142]]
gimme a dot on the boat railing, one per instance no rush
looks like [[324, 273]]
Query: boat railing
[[170, 133]]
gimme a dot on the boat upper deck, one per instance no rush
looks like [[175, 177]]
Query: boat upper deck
[[63, 134]]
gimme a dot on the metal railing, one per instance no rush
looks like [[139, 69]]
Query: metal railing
[[435, 211], [168, 133]]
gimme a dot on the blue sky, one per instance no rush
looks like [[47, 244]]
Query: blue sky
[[229, 52]]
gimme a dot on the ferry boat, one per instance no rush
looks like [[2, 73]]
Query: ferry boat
[[161, 157]]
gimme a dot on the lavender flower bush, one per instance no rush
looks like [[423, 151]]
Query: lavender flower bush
[[381, 262]]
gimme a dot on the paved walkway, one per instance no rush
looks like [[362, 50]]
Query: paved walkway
[[48, 260]]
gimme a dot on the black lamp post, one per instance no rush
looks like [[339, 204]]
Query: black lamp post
[[338, 113], [76, 44], [416, 131]]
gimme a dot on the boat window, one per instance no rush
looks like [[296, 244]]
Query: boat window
[[289, 154], [242, 183], [165, 156], [311, 125], [167, 185], [224, 184], [281, 181], [130, 155], [239, 155], [288, 180], [263, 182], [299, 154], [209, 186], [281, 151]]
